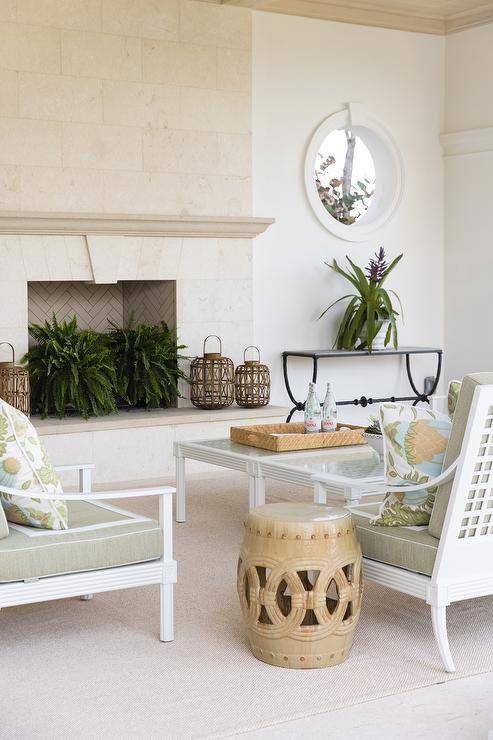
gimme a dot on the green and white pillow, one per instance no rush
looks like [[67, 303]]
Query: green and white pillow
[[415, 440], [453, 396], [25, 466]]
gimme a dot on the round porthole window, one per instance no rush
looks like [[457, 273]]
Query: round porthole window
[[353, 174]]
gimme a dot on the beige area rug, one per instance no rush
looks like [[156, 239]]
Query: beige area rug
[[96, 669]]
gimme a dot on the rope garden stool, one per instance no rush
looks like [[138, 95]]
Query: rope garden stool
[[300, 584]]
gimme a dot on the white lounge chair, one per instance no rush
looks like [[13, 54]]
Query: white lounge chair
[[451, 559], [105, 549]]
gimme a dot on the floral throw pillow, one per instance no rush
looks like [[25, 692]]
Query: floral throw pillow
[[453, 396], [415, 440], [25, 466]]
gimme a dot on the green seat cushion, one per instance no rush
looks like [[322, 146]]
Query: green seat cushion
[[119, 538], [461, 415], [412, 548]]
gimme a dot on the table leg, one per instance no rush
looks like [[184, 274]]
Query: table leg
[[259, 491], [319, 493], [180, 502], [251, 491], [352, 495]]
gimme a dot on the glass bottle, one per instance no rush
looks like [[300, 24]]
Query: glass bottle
[[329, 411], [313, 412]]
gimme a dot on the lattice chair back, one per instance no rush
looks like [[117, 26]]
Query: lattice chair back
[[466, 543]]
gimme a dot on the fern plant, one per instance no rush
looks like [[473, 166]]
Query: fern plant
[[71, 369], [146, 359]]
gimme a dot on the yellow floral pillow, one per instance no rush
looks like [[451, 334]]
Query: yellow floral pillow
[[25, 466], [415, 440]]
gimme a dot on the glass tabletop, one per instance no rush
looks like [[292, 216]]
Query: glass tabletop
[[360, 461], [350, 463]]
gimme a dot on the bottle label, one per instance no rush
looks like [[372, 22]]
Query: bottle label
[[329, 424], [312, 424]]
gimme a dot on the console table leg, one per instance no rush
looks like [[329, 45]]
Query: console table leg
[[180, 501], [251, 491], [319, 493]]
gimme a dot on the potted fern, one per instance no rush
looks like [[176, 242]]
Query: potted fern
[[70, 369], [369, 321], [147, 364]]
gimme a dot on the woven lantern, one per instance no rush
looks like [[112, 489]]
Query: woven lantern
[[14, 384], [212, 379], [252, 382]]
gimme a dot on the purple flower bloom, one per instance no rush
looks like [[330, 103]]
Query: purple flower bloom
[[377, 267]]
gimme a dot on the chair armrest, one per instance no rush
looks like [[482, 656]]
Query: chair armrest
[[75, 466], [95, 496]]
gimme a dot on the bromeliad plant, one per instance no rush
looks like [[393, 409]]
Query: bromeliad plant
[[370, 307], [70, 369], [146, 359]]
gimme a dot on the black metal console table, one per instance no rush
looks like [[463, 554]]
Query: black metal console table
[[321, 354]]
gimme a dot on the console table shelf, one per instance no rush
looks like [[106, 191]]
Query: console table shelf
[[330, 354]]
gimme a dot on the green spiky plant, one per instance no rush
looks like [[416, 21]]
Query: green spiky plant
[[370, 307], [146, 359], [71, 369]]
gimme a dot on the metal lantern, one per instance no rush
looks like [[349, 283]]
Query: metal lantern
[[14, 384], [252, 382], [212, 379]]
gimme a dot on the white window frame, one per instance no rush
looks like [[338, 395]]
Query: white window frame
[[389, 171]]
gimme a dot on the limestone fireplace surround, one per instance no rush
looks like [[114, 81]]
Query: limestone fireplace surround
[[209, 261]]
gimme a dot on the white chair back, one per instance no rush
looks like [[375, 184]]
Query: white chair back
[[466, 543]]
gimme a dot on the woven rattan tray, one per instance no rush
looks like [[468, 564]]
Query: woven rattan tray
[[291, 437]]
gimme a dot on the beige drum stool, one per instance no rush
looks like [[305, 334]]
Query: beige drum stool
[[300, 584]]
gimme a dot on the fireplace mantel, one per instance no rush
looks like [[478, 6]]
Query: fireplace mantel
[[132, 224]]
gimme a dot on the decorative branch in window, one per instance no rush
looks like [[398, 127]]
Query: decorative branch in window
[[345, 193]]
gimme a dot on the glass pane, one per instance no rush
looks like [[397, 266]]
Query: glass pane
[[345, 176]]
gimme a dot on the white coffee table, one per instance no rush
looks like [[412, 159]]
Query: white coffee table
[[338, 466]]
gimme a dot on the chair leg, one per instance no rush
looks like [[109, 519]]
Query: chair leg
[[439, 620], [86, 597], [166, 603]]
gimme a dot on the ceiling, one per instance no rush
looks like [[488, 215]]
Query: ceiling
[[426, 16]]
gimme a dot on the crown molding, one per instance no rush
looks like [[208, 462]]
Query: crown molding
[[379, 14], [467, 142], [132, 224], [383, 14], [469, 19]]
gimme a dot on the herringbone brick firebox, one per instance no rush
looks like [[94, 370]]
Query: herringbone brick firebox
[[96, 305]]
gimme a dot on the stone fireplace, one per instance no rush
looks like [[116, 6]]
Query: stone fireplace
[[195, 272], [192, 273]]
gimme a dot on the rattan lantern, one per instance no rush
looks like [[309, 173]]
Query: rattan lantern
[[252, 382], [212, 379], [14, 384]]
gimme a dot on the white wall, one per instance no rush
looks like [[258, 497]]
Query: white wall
[[468, 177], [304, 70]]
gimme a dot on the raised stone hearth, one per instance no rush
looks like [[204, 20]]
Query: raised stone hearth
[[141, 442]]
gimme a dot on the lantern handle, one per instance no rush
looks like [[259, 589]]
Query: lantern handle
[[218, 339], [251, 346], [13, 351]]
